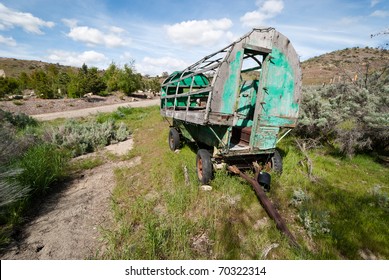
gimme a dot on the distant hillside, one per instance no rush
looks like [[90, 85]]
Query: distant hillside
[[13, 67], [343, 65]]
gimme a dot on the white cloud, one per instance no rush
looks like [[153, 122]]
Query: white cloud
[[156, 66], [90, 58], [266, 10], [10, 18], [8, 41], [380, 13], [115, 36], [199, 32]]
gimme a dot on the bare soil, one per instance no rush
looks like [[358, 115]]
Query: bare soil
[[68, 224]]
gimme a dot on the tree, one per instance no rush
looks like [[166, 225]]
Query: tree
[[24, 81], [94, 82], [63, 80], [85, 81], [129, 80], [111, 77], [42, 84], [152, 84]]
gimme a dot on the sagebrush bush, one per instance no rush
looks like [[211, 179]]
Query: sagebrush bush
[[352, 116], [81, 138], [315, 221]]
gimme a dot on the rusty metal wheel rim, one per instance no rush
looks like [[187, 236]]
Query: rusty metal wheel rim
[[200, 168]]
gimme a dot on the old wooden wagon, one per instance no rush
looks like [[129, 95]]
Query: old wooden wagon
[[237, 103]]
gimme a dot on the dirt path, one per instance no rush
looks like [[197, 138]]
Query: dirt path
[[94, 110]]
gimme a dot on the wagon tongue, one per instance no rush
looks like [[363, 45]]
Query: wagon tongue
[[267, 205]]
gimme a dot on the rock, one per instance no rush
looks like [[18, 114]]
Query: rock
[[88, 94], [206, 188]]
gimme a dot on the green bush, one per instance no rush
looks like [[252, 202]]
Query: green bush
[[18, 120]]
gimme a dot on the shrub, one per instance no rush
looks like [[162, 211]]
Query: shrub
[[81, 138], [17, 120], [353, 116], [8, 86], [121, 133], [315, 221]]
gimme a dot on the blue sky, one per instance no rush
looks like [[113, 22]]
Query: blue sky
[[168, 35]]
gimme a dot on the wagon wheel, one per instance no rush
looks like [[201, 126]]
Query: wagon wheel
[[274, 163], [174, 139], [204, 166]]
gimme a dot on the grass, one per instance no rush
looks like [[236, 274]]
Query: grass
[[42, 165], [160, 216], [343, 201]]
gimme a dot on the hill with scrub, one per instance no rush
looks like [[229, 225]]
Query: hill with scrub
[[345, 65], [13, 67]]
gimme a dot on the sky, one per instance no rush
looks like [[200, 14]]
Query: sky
[[169, 35]]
